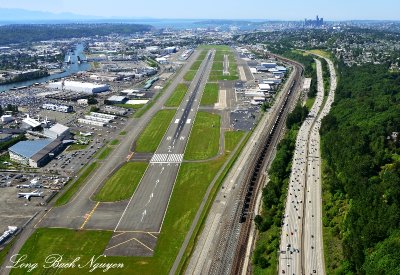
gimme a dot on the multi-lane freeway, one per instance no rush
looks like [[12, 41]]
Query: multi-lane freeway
[[301, 248]]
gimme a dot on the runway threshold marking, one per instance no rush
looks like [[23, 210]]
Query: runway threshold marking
[[89, 216], [152, 235], [133, 239], [118, 235]]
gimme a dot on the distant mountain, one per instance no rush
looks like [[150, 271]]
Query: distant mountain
[[21, 15]]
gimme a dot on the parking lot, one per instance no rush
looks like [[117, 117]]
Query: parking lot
[[15, 211]]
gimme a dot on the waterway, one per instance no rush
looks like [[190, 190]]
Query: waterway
[[70, 69]]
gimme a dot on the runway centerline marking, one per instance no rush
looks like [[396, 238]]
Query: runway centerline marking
[[89, 216]]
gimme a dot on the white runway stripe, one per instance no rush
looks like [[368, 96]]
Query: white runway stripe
[[167, 158]]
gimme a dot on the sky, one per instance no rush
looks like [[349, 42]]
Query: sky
[[219, 9]]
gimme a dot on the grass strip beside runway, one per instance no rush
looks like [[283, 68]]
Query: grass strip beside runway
[[190, 75], [122, 184], [177, 96], [210, 94], [152, 135], [204, 138]]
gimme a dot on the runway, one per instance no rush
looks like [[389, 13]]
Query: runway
[[147, 207]]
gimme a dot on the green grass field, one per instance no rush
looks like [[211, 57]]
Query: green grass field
[[75, 147], [114, 142], [310, 102], [322, 53], [66, 242], [204, 138], [189, 75], [130, 106], [196, 64], [201, 56], [176, 98], [151, 136], [4, 252], [122, 133], [104, 153], [123, 183], [210, 94], [218, 63], [232, 138], [192, 182], [76, 185]]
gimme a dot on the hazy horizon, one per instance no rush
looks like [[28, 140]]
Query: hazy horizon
[[340, 10]]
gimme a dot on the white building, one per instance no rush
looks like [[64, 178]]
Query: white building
[[83, 102], [96, 114], [7, 118], [76, 86], [56, 131], [100, 119], [91, 122], [58, 108], [264, 87], [29, 123]]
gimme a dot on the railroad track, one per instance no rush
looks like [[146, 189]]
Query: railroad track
[[230, 255]]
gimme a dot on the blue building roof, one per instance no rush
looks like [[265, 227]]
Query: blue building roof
[[29, 148]]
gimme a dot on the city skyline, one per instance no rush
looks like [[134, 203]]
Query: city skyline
[[207, 9]]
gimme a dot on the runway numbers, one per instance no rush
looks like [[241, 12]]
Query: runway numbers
[[166, 158]]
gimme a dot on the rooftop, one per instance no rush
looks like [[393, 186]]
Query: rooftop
[[29, 148], [58, 128]]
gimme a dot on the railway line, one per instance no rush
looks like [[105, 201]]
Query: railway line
[[230, 255]]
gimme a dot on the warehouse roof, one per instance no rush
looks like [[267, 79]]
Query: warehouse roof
[[116, 98], [46, 150], [29, 148], [31, 122], [59, 128]]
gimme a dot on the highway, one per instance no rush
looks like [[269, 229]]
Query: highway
[[147, 207], [301, 248], [217, 244]]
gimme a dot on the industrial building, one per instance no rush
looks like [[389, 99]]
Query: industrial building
[[76, 86], [268, 65], [91, 122], [100, 119], [96, 114], [5, 137], [114, 110], [264, 87], [35, 153], [7, 118], [29, 123], [58, 108], [115, 99], [56, 131]]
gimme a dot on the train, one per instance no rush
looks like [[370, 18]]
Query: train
[[260, 159]]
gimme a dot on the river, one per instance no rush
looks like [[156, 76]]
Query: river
[[69, 70]]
